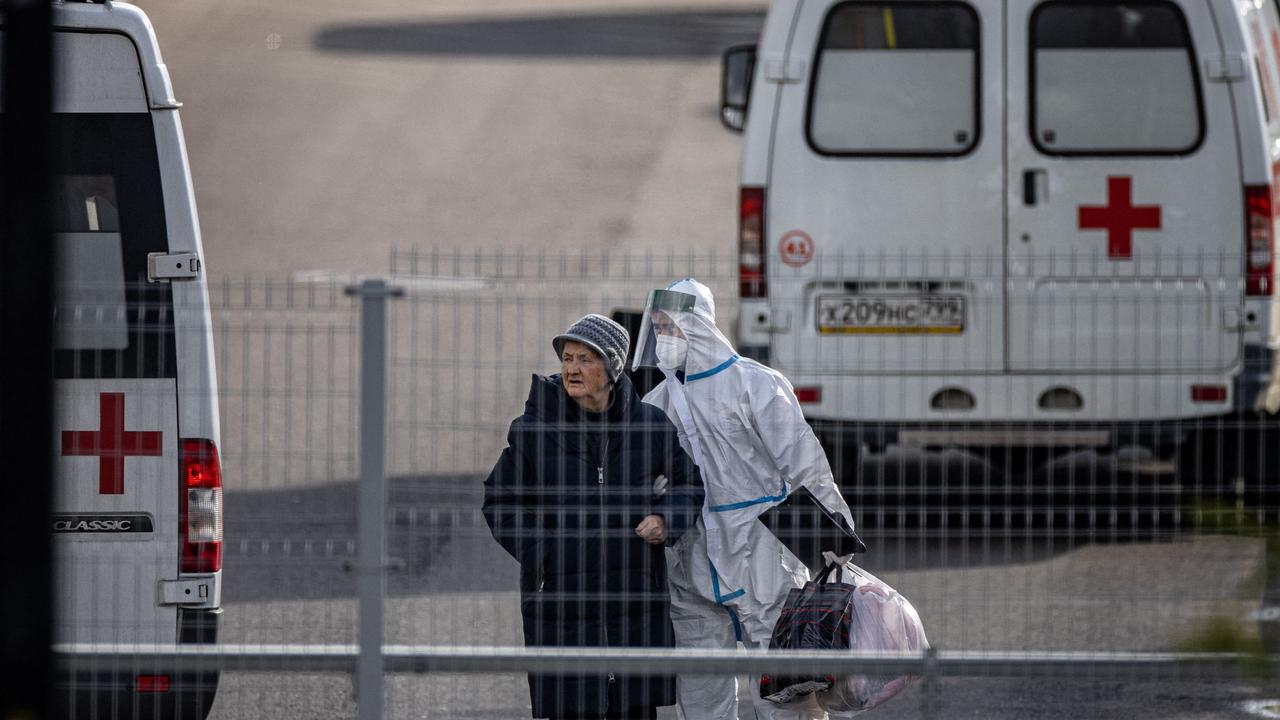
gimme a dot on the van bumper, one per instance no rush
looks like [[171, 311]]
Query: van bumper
[[1160, 437], [1041, 399], [88, 692]]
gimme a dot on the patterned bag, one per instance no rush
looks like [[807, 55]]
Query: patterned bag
[[861, 614]]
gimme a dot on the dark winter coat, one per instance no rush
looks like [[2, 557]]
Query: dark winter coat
[[564, 500]]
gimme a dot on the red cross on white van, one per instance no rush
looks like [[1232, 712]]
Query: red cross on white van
[[111, 443], [1119, 217]]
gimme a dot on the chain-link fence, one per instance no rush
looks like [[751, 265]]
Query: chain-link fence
[[1068, 468]]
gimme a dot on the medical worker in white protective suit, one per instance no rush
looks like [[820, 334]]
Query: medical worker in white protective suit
[[740, 421]]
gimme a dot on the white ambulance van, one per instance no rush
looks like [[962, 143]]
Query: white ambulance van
[[1037, 225], [137, 522]]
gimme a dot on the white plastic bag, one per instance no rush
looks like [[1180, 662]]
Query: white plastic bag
[[845, 606], [882, 620]]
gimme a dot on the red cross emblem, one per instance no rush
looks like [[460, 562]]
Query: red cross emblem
[[111, 444], [1120, 217]]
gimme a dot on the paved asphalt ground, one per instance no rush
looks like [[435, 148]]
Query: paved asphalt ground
[[1132, 590], [325, 135]]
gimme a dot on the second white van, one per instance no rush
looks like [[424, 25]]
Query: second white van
[[1038, 225]]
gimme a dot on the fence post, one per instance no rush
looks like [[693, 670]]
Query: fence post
[[931, 703], [372, 499]]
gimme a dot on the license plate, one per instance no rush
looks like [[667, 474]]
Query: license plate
[[890, 314]]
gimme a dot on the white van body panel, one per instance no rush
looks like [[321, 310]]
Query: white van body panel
[[97, 72], [108, 582], [1009, 399], [197, 382], [1256, 136], [880, 222], [758, 134], [131, 22], [113, 25], [778, 24], [1130, 323], [1161, 302]]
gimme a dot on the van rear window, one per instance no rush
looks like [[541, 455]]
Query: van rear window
[[108, 214], [1150, 102], [896, 79], [90, 308]]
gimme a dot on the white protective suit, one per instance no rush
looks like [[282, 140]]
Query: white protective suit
[[729, 576]]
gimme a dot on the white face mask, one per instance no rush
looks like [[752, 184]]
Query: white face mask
[[671, 351]]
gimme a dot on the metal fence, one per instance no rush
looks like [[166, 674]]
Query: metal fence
[[1072, 477]]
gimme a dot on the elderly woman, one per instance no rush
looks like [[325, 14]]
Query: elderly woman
[[592, 485]]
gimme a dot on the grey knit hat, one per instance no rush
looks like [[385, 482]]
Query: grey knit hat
[[602, 335]]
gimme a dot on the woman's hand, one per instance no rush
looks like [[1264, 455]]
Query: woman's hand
[[653, 530]]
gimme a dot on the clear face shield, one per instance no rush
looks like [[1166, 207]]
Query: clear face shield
[[660, 342]]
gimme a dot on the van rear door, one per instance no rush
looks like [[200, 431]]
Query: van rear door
[[884, 218], [1125, 200], [116, 443]]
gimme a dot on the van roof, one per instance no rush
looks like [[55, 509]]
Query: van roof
[[130, 21]]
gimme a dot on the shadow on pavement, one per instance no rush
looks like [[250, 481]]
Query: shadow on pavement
[[914, 510], [299, 543], [677, 35]]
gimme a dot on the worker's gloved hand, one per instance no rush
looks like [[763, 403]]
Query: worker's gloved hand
[[660, 486], [652, 529], [829, 557]]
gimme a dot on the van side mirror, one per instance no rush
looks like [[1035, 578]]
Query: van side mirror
[[736, 70]]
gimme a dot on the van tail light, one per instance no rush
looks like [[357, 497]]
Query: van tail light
[[151, 684], [751, 271], [1209, 393], [1259, 239], [808, 395], [200, 507]]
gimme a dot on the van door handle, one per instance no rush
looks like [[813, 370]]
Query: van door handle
[[1035, 187]]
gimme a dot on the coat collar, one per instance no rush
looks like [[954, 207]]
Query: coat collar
[[549, 402]]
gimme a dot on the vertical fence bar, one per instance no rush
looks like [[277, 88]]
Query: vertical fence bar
[[371, 529]]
